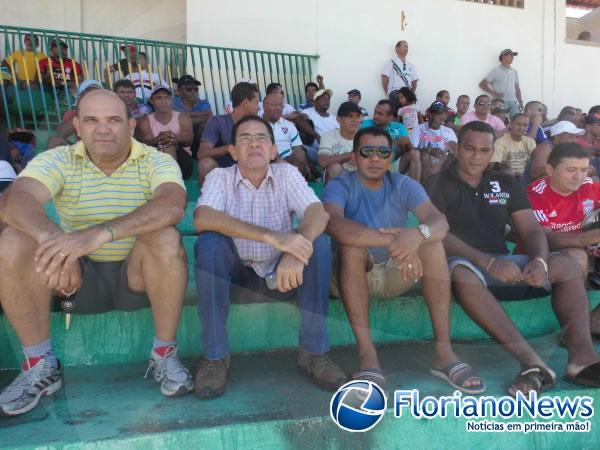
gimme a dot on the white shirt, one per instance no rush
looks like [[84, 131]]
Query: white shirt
[[503, 79], [436, 138], [7, 173], [396, 81], [322, 124], [286, 137], [333, 143], [147, 85]]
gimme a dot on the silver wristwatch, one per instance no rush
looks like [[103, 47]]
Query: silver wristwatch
[[424, 230]]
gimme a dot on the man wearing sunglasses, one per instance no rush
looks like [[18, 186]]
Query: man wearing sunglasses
[[187, 100], [246, 238], [377, 256]]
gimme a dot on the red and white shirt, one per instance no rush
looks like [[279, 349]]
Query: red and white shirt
[[563, 213]]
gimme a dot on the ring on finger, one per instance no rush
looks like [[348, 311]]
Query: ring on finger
[[410, 266], [62, 254]]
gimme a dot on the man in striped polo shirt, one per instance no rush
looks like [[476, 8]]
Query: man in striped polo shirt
[[116, 247]]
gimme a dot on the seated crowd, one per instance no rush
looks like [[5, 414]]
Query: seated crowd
[[473, 179]]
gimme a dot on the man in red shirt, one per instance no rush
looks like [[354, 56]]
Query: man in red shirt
[[561, 200], [51, 67]]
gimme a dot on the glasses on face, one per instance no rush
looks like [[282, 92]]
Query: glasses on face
[[260, 138], [191, 89], [369, 152], [484, 103]]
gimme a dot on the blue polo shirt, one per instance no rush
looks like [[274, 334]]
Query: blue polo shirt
[[199, 106]]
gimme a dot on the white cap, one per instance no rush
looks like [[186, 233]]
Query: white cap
[[564, 126], [321, 92], [246, 80]]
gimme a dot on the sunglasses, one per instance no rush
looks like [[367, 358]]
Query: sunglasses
[[369, 152], [191, 89]]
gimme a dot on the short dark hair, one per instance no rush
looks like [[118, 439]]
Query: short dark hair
[[565, 111], [311, 84], [463, 96], [408, 94], [399, 43], [251, 119], [518, 115], [272, 87], [385, 102], [479, 97], [243, 91], [123, 83], [370, 131], [442, 92], [566, 150], [476, 126]]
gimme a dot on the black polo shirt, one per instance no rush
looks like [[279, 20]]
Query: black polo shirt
[[477, 216]]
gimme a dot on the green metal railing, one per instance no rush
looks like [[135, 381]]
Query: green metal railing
[[34, 103]]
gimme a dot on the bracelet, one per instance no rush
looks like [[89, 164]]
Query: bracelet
[[489, 266], [109, 228], [543, 263]]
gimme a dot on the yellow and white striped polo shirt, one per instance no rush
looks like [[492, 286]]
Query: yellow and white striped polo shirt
[[85, 196]]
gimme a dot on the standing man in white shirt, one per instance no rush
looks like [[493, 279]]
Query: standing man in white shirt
[[503, 82], [398, 73]]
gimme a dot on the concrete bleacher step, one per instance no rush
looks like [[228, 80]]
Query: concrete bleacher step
[[269, 405]]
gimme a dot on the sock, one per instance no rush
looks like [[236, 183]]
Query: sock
[[36, 352], [161, 347]]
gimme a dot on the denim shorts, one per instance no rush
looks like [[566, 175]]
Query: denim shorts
[[501, 290]]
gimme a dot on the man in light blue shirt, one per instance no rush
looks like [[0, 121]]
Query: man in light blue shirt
[[378, 256]]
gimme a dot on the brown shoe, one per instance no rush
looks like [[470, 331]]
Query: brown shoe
[[211, 377], [326, 374]]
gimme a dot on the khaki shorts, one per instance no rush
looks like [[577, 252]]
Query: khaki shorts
[[384, 279]]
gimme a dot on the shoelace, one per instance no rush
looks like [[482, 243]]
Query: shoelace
[[167, 365]]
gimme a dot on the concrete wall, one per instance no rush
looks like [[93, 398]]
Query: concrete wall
[[448, 39], [150, 19], [590, 22]]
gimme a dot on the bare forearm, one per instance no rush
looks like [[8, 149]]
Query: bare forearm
[[536, 244], [385, 81], [349, 232], [314, 221], [209, 219], [456, 247], [572, 239], [156, 214], [23, 212], [326, 159], [206, 151]]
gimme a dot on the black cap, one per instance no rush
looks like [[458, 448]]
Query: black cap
[[63, 44], [186, 80], [438, 106], [347, 108], [354, 92]]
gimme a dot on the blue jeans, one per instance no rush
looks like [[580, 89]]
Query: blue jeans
[[219, 267]]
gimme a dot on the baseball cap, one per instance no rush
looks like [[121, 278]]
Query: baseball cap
[[438, 106], [85, 85], [508, 51], [348, 108], [246, 80], [186, 80], [564, 126], [160, 87], [321, 92], [354, 92]]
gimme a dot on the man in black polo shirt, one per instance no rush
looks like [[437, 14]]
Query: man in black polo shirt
[[478, 203]]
